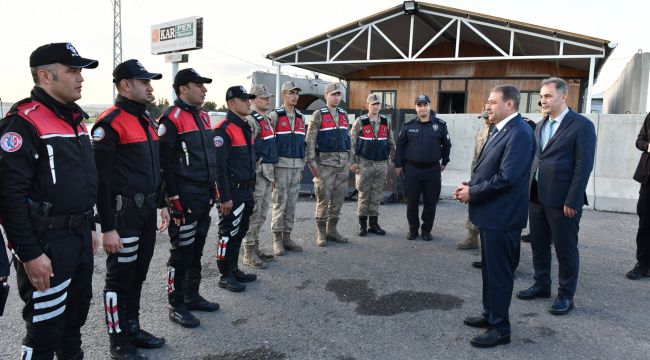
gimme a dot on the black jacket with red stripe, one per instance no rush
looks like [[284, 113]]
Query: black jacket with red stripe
[[45, 156], [125, 144], [235, 157], [187, 152]]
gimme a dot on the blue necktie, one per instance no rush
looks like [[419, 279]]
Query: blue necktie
[[548, 133], [493, 132]]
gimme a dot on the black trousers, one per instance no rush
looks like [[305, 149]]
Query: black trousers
[[426, 183], [232, 229], [187, 242], [499, 255], [549, 226], [54, 317], [643, 234], [127, 270]]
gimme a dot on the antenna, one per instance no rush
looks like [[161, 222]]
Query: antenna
[[117, 35]]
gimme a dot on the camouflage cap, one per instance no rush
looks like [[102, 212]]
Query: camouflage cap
[[289, 85], [332, 88], [260, 91], [373, 99]]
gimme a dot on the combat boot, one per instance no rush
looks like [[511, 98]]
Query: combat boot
[[278, 248], [251, 259], [238, 274], [321, 229], [183, 317], [374, 227], [263, 256], [470, 242], [122, 349], [141, 338], [289, 244], [228, 280], [333, 234], [363, 226]]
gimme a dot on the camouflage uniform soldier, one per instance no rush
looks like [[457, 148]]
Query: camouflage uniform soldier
[[471, 241], [328, 157], [266, 151], [372, 146], [289, 126]]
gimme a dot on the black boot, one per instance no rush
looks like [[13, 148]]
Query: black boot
[[183, 317], [374, 227], [363, 226], [227, 280], [122, 349], [413, 233], [240, 275], [141, 338], [198, 303]]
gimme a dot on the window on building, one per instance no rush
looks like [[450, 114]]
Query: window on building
[[529, 102], [451, 102]]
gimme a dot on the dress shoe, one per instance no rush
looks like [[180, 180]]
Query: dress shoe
[[477, 264], [243, 277], [427, 236], [198, 303], [412, 235], [229, 283], [477, 322], [534, 292], [639, 271], [183, 317], [561, 306], [490, 338]]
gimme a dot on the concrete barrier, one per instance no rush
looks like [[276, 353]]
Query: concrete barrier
[[610, 187]]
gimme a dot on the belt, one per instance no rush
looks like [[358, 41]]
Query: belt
[[194, 188], [242, 185], [69, 221], [139, 200], [421, 165]]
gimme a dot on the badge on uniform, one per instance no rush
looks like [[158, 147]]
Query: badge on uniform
[[162, 130], [98, 134], [435, 127], [218, 141], [11, 142], [367, 131]]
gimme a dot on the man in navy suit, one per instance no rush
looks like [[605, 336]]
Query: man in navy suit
[[498, 202], [564, 158]]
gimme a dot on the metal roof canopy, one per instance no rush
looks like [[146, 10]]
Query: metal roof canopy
[[395, 36]]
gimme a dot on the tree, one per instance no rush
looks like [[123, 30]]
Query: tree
[[223, 108], [157, 109], [210, 106]]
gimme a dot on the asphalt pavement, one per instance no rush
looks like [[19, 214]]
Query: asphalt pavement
[[385, 298]]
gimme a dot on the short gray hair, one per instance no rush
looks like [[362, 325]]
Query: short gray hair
[[559, 83], [510, 92], [49, 67]]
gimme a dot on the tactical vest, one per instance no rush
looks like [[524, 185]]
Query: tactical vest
[[65, 173], [241, 160], [266, 147], [136, 167], [195, 157], [291, 142], [373, 146], [333, 138]]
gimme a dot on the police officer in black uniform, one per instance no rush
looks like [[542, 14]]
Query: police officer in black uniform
[[125, 144], [235, 184], [48, 187], [422, 153], [189, 164]]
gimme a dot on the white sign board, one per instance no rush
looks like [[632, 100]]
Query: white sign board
[[178, 35]]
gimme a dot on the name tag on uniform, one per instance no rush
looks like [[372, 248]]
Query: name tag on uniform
[[413, 130]]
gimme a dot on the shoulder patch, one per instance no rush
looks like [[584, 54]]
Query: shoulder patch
[[99, 133], [11, 142], [162, 129], [218, 141], [441, 121]]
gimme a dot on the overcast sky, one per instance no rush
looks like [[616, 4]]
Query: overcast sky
[[238, 34]]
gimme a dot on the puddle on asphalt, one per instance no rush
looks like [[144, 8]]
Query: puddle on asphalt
[[248, 354], [403, 301]]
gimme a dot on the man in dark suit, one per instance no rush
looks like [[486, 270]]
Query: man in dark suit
[[564, 158], [498, 200]]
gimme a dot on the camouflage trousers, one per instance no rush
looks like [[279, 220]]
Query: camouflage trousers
[[330, 191], [285, 196], [370, 182], [262, 197]]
